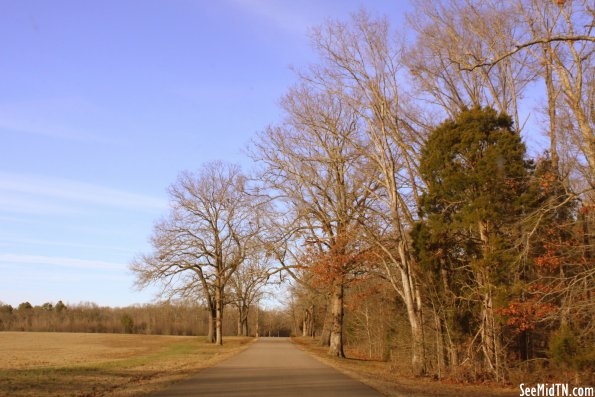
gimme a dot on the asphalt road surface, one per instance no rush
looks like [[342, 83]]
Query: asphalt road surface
[[270, 367]]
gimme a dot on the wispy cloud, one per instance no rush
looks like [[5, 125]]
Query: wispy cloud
[[286, 15], [41, 260], [50, 117], [11, 241], [34, 191], [11, 202], [30, 127]]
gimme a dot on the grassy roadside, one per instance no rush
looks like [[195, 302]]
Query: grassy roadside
[[115, 369], [378, 375]]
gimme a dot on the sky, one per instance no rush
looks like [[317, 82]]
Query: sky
[[104, 103]]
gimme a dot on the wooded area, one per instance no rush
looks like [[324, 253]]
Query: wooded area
[[488, 251], [175, 318]]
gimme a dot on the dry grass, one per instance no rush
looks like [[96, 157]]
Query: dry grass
[[86, 365], [378, 375]]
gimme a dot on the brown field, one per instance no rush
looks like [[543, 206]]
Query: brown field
[[380, 376], [86, 365]]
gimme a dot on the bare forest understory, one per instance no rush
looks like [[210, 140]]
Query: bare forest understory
[[381, 375]]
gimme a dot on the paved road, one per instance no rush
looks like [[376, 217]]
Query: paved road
[[270, 367]]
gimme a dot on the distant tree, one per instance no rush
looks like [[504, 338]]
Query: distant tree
[[127, 323], [60, 306], [25, 306], [246, 287]]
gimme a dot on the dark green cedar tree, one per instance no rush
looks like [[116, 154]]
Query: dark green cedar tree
[[476, 178]]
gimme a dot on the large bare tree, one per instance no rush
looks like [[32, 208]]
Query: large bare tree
[[486, 52], [362, 57], [310, 164], [452, 35], [208, 234], [560, 36]]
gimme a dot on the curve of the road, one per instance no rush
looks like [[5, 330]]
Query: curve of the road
[[270, 367]]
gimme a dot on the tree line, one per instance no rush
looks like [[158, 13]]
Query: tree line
[[399, 176], [164, 318]]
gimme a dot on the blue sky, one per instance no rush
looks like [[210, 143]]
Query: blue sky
[[103, 103]]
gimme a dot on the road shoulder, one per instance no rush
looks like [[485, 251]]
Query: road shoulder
[[377, 375]]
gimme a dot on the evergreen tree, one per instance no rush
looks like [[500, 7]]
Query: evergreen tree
[[476, 176]]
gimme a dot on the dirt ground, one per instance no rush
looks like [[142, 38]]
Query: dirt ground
[[85, 365]]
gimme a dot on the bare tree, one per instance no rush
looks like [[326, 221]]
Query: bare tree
[[563, 30], [467, 47], [246, 286], [307, 303], [206, 237], [454, 34], [311, 165], [361, 57]]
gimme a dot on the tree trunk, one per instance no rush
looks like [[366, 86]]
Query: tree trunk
[[305, 324], [453, 353], [524, 351], [489, 330], [308, 323], [574, 94], [418, 355], [311, 322], [336, 334], [325, 337], [587, 237], [490, 335], [414, 313], [218, 315], [257, 332], [245, 326], [448, 307], [244, 321], [551, 105], [240, 317], [440, 349], [212, 315]]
